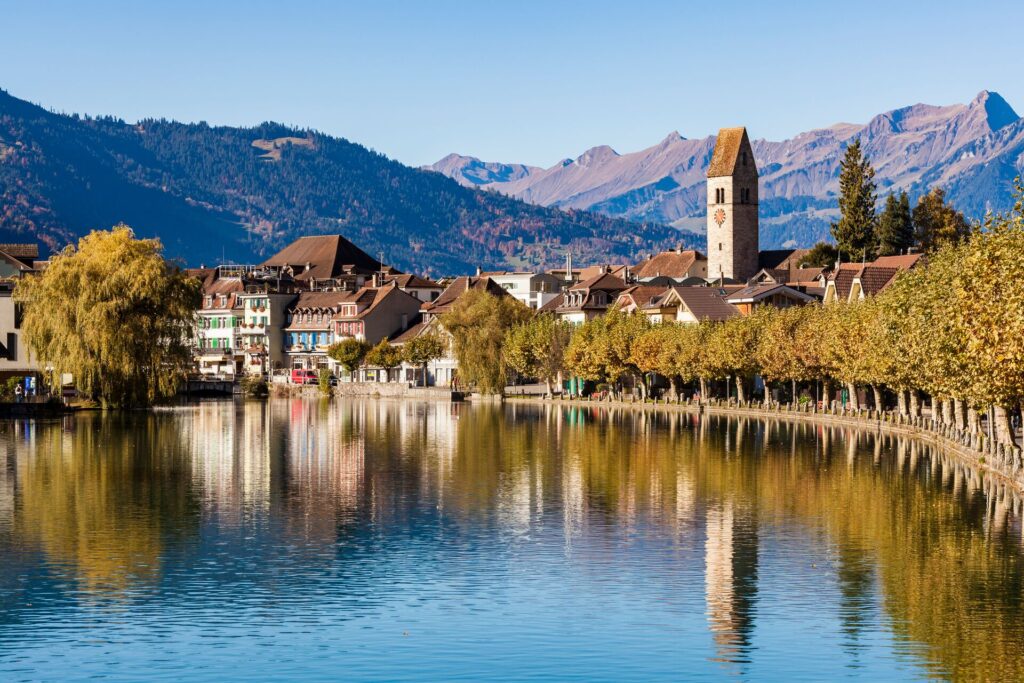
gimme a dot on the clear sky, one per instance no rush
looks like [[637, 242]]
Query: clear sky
[[521, 81]]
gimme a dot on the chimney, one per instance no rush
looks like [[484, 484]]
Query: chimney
[[479, 270]]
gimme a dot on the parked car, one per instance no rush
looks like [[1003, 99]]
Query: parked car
[[304, 376]]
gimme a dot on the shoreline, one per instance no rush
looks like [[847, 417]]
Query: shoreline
[[976, 451]]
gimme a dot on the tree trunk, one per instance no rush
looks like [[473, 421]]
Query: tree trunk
[[851, 389], [703, 389], [915, 403], [826, 393], [1003, 432], [958, 414], [901, 402], [674, 383], [793, 398], [877, 391], [973, 420], [947, 411], [740, 392], [550, 388]]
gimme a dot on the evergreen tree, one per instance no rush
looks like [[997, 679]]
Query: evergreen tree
[[895, 226], [937, 223], [855, 232], [821, 255]]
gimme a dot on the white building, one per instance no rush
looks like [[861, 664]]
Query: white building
[[533, 289]]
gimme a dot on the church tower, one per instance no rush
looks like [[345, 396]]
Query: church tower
[[732, 207]]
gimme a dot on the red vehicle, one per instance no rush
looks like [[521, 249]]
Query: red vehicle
[[304, 376]]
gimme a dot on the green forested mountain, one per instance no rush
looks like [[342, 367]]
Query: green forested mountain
[[213, 193]]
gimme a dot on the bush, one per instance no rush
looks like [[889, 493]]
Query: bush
[[323, 380], [254, 386]]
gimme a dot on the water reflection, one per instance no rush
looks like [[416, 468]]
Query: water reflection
[[655, 543]]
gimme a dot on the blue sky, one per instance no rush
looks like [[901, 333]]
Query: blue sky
[[531, 82]]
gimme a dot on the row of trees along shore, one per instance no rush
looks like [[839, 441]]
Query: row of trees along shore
[[951, 329]]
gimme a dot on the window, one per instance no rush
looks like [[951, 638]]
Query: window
[[719, 246]]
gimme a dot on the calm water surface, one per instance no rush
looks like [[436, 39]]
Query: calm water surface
[[306, 540]]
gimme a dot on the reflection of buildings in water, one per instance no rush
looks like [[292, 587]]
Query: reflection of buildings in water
[[326, 455], [229, 446], [573, 496], [730, 579]]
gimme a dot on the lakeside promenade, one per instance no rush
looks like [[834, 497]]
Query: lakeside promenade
[[1006, 463]]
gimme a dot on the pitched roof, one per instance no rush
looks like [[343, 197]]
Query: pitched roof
[[727, 151], [328, 256], [604, 281], [707, 303], [674, 264], [413, 331], [460, 286], [324, 299], [552, 305], [902, 261], [755, 293], [24, 252], [409, 280], [620, 271], [641, 295]]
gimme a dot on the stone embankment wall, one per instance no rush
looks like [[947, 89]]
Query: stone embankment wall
[[977, 449], [392, 390]]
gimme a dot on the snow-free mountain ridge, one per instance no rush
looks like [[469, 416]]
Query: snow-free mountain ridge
[[972, 150]]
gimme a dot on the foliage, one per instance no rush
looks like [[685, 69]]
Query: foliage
[[424, 348], [478, 323], [821, 255], [348, 352], [855, 232], [254, 386], [114, 314], [7, 389], [536, 348], [936, 223], [895, 226], [195, 184], [323, 381], [384, 355]]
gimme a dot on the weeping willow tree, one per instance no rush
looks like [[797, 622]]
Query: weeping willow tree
[[113, 314], [478, 323]]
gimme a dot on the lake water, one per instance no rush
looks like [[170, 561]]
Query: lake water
[[376, 540]]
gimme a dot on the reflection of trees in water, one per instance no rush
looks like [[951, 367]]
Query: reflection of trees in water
[[107, 496]]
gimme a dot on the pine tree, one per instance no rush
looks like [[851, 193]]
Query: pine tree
[[855, 232], [895, 226]]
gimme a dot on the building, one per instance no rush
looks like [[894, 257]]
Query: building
[[689, 305], [309, 328], [376, 313], [855, 281], [533, 289], [777, 295], [218, 344], [16, 261], [587, 299], [422, 288], [442, 371], [264, 316], [675, 266], [732, 200], [326, 261]]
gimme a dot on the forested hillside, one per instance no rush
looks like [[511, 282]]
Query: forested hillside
[[241, 193]]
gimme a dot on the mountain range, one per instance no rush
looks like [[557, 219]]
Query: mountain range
[[215, 194], [972, 150]]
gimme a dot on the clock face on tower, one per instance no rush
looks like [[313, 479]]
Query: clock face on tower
[[719, 217]]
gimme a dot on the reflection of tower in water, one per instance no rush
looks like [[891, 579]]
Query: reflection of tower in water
[[730, 579]]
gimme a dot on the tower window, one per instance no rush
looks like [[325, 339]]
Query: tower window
[[719, 246]]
